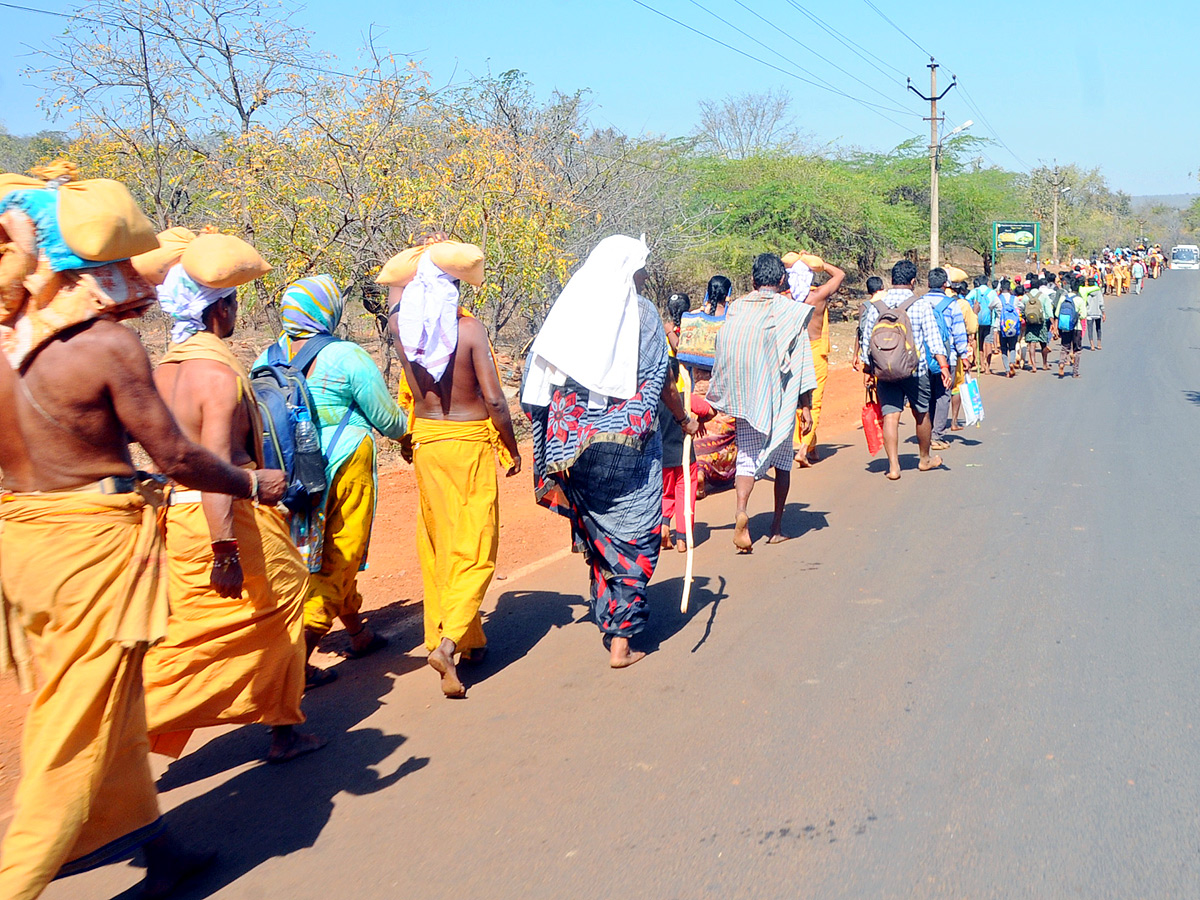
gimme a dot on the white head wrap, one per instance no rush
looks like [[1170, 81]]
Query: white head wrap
[[800, 279], [427, 320], [593, 330], [185, 301]]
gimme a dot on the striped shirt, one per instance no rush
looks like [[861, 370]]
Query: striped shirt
[[926, 336]]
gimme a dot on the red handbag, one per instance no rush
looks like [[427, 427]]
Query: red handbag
[[872, 423]]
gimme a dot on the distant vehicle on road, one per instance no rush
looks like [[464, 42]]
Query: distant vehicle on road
[[1185, 256]]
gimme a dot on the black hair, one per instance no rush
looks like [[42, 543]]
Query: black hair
[[981, 281], [1048, 277], [677, 305], [960, 287], [874, 284], [1005, 286], [718, 292], [937, 278], [1019, 289], [768, 271], [904, 273]]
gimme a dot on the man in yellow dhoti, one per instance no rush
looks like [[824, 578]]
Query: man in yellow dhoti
[[449, 367], [80, 549], [801, 270], [234, 651]]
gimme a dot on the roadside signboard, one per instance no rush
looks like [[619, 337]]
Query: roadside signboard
[[1016, 237]]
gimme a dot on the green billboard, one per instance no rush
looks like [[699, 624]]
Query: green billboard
[[1016, 237]]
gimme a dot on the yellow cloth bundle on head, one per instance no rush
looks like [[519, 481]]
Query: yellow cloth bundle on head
[[811, 260], [222, 261], [100, 221], [955, 274], [458, 260], [154, 265]]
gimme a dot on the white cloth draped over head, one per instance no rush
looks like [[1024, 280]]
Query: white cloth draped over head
[[800, 279], [427, 320], [185, 301], [591, 334]]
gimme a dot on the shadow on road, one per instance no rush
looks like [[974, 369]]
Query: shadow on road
[[666, 620], [270, 811], [1192, 396], [519, 621]]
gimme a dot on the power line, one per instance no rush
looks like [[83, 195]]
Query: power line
[[909, 37], [979, 112], [873, 107], [261, 57], [862, 52], [819, 56]]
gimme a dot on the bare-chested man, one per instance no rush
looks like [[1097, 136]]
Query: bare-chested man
[[81, 576], [459, 408], [242, 660], [818, 335]]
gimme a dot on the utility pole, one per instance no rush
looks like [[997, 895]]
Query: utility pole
[[935, 151], [1056, 183]]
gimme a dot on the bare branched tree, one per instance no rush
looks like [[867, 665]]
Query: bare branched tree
[[747, 124]]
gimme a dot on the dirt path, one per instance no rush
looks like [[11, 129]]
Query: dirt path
[[391, 586]]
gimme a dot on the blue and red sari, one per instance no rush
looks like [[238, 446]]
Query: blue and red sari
[[602, 468]]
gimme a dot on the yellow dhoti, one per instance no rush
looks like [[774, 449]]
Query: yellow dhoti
[[228, 660], [459, 529], [333, 591], [84, 587], [807, 443]]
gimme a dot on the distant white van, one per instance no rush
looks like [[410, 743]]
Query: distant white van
[[1185, 256]]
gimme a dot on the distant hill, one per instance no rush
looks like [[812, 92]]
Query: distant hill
[[1175, 201]]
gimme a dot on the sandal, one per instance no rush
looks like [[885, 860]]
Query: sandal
[[374, 645], [315, 678]]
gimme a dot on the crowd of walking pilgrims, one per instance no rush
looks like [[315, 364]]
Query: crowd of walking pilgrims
[[145, 606]]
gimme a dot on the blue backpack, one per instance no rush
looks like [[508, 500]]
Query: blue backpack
[[1068, 317], [1010, 323], [291, 438], [939, 314]]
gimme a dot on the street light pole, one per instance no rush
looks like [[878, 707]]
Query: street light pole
[[1057, 183], [935, 150]]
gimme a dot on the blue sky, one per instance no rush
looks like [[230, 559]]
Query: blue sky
[[1085, 82]]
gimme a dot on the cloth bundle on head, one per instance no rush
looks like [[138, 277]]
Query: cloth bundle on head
[[592, 332], [309, 307], [53, 275], [801, 267], [185, 301], [427, 317]]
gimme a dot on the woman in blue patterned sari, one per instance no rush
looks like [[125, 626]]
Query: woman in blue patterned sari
[[592, 384]]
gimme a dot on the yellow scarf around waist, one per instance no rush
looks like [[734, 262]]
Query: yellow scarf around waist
[[429, 431], [140, 613]]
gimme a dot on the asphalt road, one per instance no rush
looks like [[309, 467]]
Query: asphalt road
[[978, 682]]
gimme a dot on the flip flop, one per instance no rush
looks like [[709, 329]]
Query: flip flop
[[316, 678], [374, 645]]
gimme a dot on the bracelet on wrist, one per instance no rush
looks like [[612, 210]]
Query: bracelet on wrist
[[253, 486]]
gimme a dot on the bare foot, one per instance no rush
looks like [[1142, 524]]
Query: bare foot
[[621, 656], [802, 461], [893, 475], [741, 534], [288, 744], [681, 546], [956, 428], [666, 539], [934, 462], [443, 663], [168, 866], [778, 538]]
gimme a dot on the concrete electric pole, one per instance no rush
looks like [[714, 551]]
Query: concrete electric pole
[[1056, 183], [935, 151]]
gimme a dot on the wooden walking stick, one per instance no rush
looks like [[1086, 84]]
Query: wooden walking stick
[[687, 496]]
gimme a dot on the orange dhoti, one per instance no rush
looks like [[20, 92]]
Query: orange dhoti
[[84, 594], [227, 660], [807, 443], [459, 529]]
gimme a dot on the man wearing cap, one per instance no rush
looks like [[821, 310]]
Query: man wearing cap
[[953, 330], [234, 651], [84, 591], [458, 406]]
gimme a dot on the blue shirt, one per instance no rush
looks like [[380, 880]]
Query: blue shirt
[[956, 327]]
